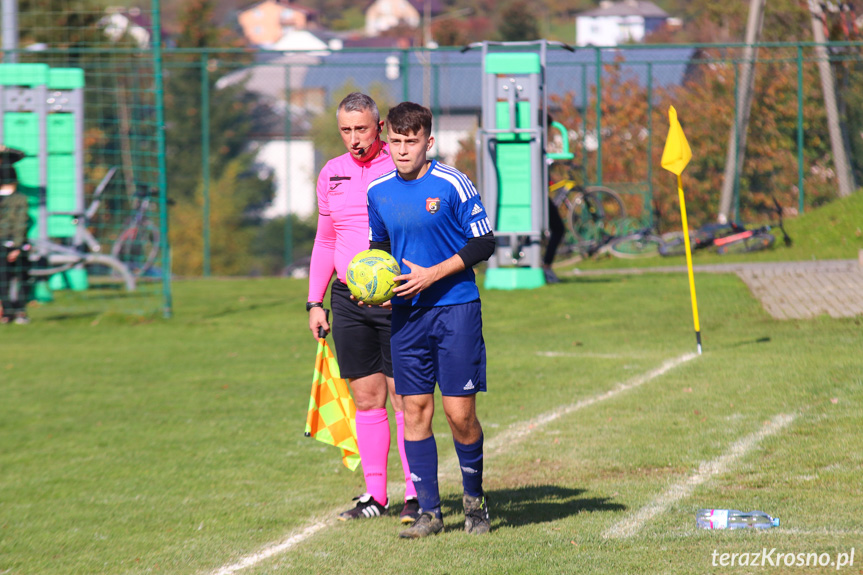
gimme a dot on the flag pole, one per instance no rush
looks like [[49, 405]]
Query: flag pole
[[319, 367], [675, 157], [689, 262]]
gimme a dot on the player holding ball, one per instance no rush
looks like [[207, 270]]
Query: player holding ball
[[430, 217]]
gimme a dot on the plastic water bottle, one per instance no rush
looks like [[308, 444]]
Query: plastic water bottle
[[734, 519]]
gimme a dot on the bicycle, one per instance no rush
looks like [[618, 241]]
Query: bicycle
[[642, 243], [752, 240], [50, 257], [673, 243], [137, 246], [727, 238], [592, 214]]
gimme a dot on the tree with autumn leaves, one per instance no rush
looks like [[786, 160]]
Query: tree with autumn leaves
[[705, 101], [236, 192]]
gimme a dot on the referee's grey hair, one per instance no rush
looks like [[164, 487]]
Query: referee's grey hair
[[358, 102]]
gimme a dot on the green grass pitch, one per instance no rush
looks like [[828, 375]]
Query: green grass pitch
[[176, 446]]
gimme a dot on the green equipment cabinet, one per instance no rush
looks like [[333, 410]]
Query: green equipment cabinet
[[512, 168], [42, 115]]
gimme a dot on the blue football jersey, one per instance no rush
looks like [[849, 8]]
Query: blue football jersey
[[427, 221]]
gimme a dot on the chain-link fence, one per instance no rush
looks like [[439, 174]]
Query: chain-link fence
[[81, 101], [246, 132], [266, 123]]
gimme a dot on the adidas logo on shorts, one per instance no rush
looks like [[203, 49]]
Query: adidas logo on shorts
[[469, 385]]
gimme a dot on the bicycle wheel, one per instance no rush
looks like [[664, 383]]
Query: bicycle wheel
[[672, 244], [634, 246], [756, 242], [137, 247], [61, 262], [610, 207], [597, 215], [53, 267]]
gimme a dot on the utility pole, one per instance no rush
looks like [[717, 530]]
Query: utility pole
[[745, 87], [427, 45], [840, 160], [10, 31]]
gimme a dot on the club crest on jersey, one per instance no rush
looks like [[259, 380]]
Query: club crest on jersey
[[432, 205]]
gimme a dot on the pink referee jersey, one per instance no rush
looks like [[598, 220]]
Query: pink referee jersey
[[343, 218]]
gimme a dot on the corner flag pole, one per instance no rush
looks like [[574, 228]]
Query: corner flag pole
[[689, 263], [675, 157]]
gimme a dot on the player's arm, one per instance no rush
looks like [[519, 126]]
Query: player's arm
[[322, 264], [420, 278], [385, 246]]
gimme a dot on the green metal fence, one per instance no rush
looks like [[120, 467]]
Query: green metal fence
[[82, 97], [235, 138], [613, 101]]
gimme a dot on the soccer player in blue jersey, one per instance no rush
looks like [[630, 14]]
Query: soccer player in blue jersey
[[430, 217]]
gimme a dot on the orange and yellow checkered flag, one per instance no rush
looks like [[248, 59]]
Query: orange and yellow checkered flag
[[332, 413]]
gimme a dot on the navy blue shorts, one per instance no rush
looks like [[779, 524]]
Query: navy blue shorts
[[361, 335], [438, 344]]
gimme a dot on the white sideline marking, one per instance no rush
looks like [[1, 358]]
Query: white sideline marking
[[269, 551], [822, 531], [586, 354], [518, 431], [630, 526], [514, 433]]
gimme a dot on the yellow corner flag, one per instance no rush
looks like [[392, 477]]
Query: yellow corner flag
[[677, 152], [332, 413], [675, 156]]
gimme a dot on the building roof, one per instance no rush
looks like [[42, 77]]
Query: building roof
[[436, 6], [455, 83], [454, 76], [286, 3], [299, 40], [626, 8], [419, 5], [377, 42]]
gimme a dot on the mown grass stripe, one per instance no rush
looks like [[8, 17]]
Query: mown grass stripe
[[271, 550], [631, 525], [520, 430], [515, 432]]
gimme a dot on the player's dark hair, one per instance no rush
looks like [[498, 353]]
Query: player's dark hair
[[409, 118], [358, 102]]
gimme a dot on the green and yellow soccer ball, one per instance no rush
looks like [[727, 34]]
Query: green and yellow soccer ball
[[370, 276]]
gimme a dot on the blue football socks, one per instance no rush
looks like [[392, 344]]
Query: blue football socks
[[422, 460], [470, 461]]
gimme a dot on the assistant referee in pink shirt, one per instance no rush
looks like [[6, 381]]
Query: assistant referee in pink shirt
[[361, 333]]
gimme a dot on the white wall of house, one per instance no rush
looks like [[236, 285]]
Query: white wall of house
[[276, 155], [300, 158], [448, 132], [608, 30], [385, 14]]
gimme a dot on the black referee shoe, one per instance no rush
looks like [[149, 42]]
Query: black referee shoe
[[366, 507]]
